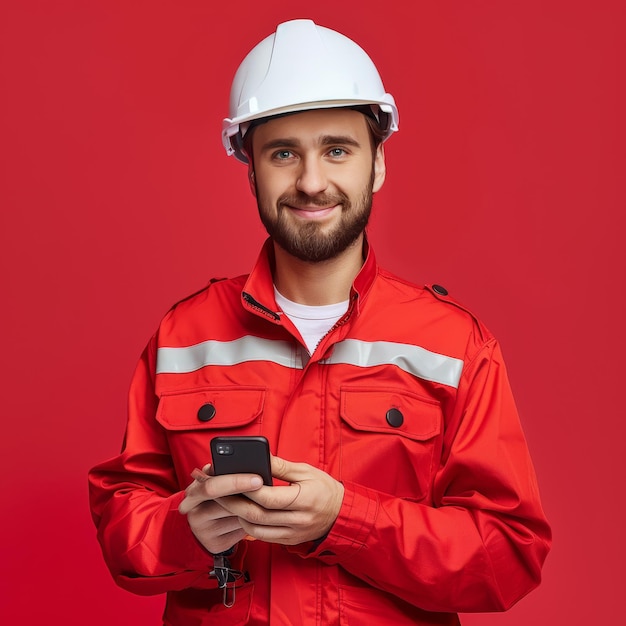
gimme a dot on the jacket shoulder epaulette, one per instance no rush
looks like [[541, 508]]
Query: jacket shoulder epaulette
[[442, 294], [195, 293]]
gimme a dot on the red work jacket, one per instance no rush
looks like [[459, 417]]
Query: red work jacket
[[405, 401]]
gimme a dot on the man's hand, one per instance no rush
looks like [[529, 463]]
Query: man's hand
[[304, 510], [213, 526]]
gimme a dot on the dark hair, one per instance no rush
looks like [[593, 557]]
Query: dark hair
[[376, 131]]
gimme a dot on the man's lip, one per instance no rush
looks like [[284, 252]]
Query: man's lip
[[313, 212]]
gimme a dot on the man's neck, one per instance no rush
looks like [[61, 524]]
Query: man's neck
[[316, 284]]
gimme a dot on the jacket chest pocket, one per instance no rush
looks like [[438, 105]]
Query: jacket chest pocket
[[388, 440], [192, 418]]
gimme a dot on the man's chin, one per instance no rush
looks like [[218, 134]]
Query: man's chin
[[314, 252]]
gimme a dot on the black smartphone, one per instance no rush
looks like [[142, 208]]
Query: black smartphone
[[242, 455]]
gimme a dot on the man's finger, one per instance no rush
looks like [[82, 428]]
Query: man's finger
[[283, 498], [217, 487], [288, 471]]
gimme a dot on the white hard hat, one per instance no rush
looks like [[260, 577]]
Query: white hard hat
[[303, 66]]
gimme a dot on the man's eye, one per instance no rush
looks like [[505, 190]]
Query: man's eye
[[282, 154], [337, 152]]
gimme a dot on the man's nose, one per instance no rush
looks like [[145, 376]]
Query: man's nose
[[312, 178]]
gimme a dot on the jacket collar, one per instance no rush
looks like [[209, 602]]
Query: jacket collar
[[258, 291]]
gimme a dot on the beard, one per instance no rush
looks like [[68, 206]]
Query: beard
[[314, 242]]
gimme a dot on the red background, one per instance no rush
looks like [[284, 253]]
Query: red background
[[505, 184]]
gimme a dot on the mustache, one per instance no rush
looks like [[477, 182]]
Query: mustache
[[323, 200]]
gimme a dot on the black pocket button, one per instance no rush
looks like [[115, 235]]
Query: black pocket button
[[206, 412], [394, 418]]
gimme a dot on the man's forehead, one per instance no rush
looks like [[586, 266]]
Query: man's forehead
[[315, 124]]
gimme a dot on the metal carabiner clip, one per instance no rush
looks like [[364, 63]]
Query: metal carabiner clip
[[229, 603]]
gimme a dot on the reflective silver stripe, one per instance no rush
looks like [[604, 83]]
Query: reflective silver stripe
[[192, 358], [415, 360]]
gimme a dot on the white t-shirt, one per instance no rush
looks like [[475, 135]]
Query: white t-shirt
[[313, 322]]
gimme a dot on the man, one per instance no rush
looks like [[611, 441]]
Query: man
[[404, 492]]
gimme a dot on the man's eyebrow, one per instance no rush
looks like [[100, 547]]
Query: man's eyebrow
[[285, 142], [325, 140], [345, 140]]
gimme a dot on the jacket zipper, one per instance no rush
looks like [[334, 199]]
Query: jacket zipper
[[340, 322], [259, 307]]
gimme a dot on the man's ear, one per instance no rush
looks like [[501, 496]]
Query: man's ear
[[251, 180], [380, 169]]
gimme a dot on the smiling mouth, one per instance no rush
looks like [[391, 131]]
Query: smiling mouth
[[313, 213]]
